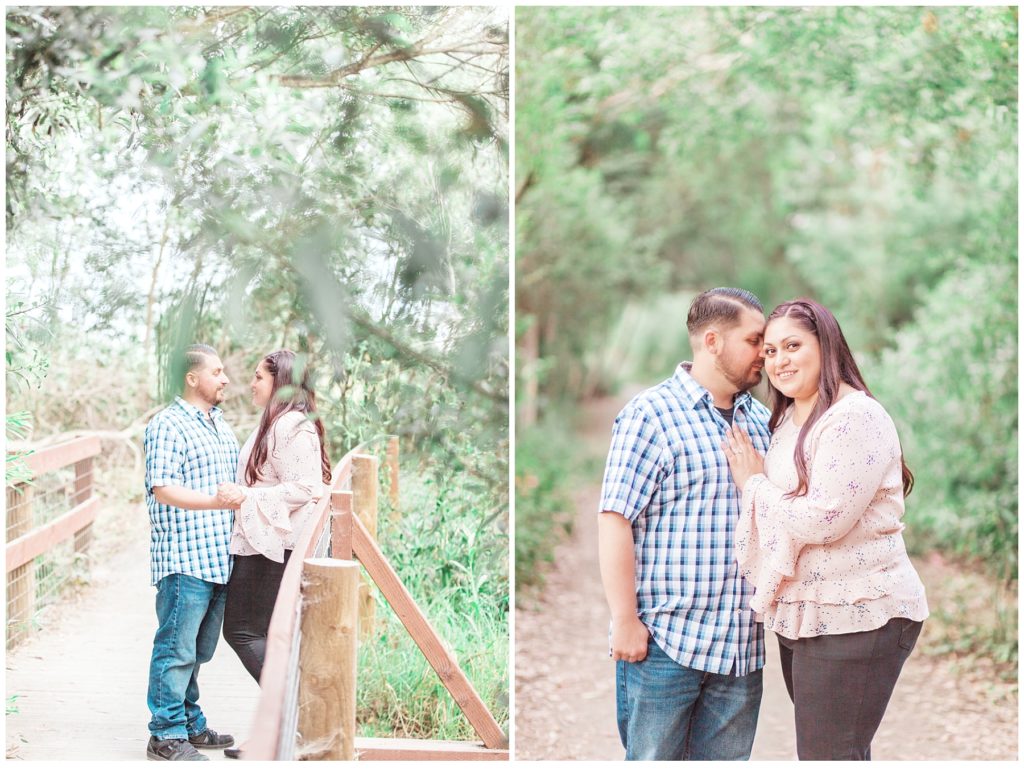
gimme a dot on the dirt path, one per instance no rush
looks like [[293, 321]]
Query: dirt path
[[565, 700]]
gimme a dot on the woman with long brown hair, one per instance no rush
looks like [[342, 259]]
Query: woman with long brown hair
[[820, 535], [282, 470]]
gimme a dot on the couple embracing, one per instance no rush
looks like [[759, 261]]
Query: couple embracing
[[720, 517], [223, 523]]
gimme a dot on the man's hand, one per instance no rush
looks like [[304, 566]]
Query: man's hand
[[615, 552], [629, 639], [229, 496]]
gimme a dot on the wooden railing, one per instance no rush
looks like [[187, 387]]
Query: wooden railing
[[276, 720], [26, 541]]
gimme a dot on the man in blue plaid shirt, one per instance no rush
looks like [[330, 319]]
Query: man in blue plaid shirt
[[190, 450], [688, 648]]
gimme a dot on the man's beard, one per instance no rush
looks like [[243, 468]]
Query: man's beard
[[213, 398], [740, 378]]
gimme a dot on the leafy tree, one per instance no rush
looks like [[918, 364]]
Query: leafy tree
[[864, 156], [328, 179]]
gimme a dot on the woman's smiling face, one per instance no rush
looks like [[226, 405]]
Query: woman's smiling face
[[262, 386], [792, 359]]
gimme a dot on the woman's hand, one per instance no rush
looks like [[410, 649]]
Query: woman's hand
[[229, 496], [744, 460]]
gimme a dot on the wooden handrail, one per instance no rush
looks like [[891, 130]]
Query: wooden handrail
[[25, 541], [349, 536], [26, 548], [52, 458]]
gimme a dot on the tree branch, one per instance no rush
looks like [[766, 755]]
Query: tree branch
[[427, 360]]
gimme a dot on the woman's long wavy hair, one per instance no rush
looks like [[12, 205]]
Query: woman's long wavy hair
[[837, 367], [288, 393]]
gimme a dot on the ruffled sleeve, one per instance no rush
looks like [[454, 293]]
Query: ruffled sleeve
[[290, 480], [766, 555]]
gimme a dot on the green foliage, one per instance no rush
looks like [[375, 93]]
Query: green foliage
[[648, 340], [863, 156], [546, 462], [971, 616], [783, 147], [450, 548], [26, 364], [178, 328], [26, 360], [328, 179], [19, 424], [958, 413]]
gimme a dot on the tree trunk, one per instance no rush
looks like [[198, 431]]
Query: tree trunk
[[528, 357], [151, 299]]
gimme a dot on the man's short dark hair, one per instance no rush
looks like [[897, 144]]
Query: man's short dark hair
[[195, 356], [720, 305]]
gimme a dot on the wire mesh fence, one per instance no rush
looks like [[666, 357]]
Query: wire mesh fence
[[34, 587]]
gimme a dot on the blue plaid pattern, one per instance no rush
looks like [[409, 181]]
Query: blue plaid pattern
[[183, 449], [666, 473]]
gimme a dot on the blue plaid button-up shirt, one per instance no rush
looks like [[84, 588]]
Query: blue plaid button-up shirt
[[182, 448], [667, 474]]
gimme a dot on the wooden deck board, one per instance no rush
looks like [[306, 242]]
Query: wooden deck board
[[81, 683]]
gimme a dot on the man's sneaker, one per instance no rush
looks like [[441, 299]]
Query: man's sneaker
[[210, 739], [173, 750]]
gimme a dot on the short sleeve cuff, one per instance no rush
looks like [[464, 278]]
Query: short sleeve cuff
[[163, 481], [618, 506]]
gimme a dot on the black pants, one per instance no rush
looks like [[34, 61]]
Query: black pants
[[252, 591], [840, 686]]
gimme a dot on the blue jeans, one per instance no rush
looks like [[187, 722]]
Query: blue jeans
[[668, 712], [189, 612]]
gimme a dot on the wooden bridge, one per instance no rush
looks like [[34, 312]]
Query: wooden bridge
[[77, 689]]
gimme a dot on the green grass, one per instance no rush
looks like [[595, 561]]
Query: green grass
[[452, 555], [547, 465]]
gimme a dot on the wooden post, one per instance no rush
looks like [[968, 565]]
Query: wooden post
[[364, 505], [396, 513], [341, 525], [327, 660], [20, 580], [364, 491], [82, 493]]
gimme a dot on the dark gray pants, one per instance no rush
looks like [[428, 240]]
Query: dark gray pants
[[840, 686], [251, 594]]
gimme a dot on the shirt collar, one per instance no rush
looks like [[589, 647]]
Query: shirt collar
[[195, 411], [695, 392]]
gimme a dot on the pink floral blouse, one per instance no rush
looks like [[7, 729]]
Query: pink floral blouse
[[833, 560], [284, 497]]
